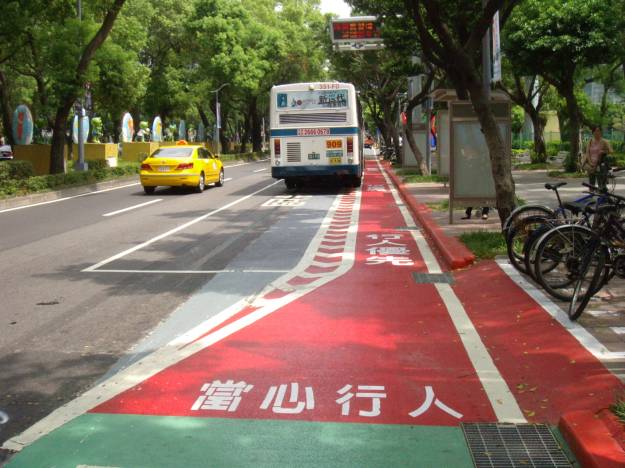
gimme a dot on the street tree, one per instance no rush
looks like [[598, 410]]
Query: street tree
[[450, 35], [558, 39]]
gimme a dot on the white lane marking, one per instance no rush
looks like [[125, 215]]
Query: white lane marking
[[501, 398], [186, 345], [618, 330], [113, 213], [229, 178], [175, 230], [237, 165], [260, 170], [186, 272], [586, 339], [68, 198]]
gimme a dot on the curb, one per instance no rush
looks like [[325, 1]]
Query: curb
[[34, 198], [455, 254], [592, 437]]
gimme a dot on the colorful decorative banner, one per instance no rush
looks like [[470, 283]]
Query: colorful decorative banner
[[128, 128], [85, 129], [157, 129], [22, 125]]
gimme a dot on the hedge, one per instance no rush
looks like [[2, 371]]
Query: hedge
[[96, 172], [19, 170]]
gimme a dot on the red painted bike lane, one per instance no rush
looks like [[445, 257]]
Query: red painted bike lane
[[547, 369], [370, 346]]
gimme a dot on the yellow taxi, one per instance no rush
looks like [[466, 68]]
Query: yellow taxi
[[181, 165]]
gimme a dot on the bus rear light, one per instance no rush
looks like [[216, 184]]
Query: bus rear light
[[350, 145], [276, 147], [184, 166]]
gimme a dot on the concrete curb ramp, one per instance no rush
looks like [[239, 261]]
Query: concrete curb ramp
[[455, 254]]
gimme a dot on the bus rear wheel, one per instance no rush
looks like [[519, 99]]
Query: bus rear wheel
[[291, 184]]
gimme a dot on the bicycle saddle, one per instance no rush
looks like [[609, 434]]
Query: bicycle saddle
[[554, 186]]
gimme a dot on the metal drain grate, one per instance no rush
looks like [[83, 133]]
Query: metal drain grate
[[498, 445], [431, 278]]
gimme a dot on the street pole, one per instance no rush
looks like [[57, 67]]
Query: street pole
[[217, 118], [81, 166]]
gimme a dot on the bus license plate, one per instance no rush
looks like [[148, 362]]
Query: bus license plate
[[335, 160]]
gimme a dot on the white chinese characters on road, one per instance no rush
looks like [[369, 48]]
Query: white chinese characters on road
[[365, 399], [287, 200], [388, 248]]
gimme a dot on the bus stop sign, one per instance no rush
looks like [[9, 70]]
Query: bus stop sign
[[357, 33]]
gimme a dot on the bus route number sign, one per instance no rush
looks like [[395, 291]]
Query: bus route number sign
[[333, 144]]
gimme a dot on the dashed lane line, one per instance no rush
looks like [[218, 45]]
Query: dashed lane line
[[175, 230], [113, 213]]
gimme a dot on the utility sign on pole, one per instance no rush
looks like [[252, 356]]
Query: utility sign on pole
[[496, 49], [357, 33]]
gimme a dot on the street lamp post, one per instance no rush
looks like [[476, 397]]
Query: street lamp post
[[82, 165], [217, 116]]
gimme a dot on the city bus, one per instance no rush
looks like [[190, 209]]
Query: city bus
[[316, 131]]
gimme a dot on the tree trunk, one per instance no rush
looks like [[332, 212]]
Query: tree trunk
[[7, 114], [57, 163], [67, 101], [257, 139], [203, 116], [574, 128], [539, 136], [409, 137], [246, 132], [500, 161]]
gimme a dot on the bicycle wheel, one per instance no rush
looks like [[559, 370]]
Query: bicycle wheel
[[529, 249], [590, 278], [558, 259], [516, 240], [525, 211]]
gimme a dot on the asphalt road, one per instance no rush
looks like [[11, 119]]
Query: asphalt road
[[92, 283]]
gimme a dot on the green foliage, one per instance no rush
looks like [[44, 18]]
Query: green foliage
[[12, 186], [484, 244], [18, 170], [96, 164], [518, 118], [566, 174]]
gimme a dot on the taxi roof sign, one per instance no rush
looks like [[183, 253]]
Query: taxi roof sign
[[356, 33]]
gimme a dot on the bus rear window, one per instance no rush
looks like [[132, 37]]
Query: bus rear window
[[317, 99]]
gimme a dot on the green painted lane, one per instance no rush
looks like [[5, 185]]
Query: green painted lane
[[126, 441]]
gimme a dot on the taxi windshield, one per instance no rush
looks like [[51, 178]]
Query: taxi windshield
[[173, 152]]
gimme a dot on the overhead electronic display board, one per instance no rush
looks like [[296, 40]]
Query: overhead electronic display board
[[357, 33]]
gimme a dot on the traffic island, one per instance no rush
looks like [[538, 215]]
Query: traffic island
[[597, 440], [455, 254]]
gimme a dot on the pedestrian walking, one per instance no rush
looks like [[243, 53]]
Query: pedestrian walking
[[594, 162]]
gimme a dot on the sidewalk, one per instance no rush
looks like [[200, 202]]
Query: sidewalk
[[602, 317]]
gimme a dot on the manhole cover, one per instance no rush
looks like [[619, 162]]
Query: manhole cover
[[431, 278], [498, 445]]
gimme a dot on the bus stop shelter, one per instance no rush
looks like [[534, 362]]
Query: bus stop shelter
[[462, 150]]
